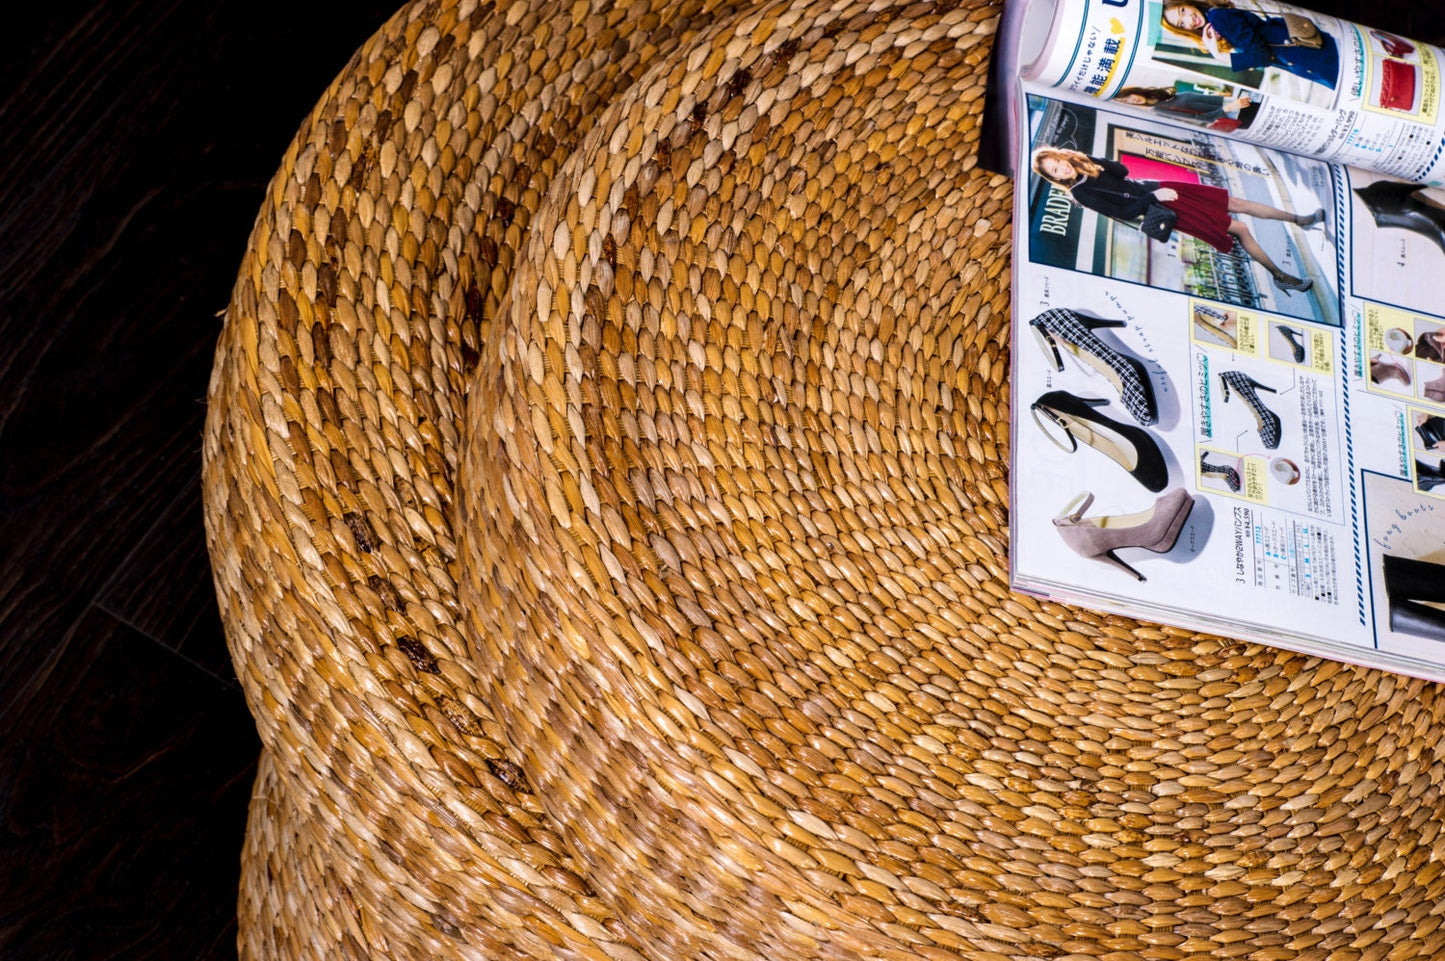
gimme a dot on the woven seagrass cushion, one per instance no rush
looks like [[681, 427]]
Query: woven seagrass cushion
[[725, 665], [390, 818], [733, 522]]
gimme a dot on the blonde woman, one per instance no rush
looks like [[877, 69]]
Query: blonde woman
[[1206, 212], [1251, 40]]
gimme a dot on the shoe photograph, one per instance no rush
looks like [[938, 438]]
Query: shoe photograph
[[1081, 421], [1288, 343], [1224, 470], [1429, 431], [1389, 373], [1415, 589], [1432, 383], [1062, 331], [1216, 326], [1101, 537], [1404, 534], [1246, 388], [1406, 219], [1429, 475]]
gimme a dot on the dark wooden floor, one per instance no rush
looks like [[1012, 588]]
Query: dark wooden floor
[[137, 142], [138, 139]]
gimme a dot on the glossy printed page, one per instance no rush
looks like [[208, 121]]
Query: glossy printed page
[[1254, 70], [1226, 413]]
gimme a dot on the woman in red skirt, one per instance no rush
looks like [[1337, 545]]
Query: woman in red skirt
[[1205, 212]]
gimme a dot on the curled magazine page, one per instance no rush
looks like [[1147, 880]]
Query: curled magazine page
[[1254, 70], [1229, 387]]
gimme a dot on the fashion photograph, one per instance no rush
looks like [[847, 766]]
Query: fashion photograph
[[1397, 242], [1205, 216], [1279, 53], [1406, 546], [1222, 107]]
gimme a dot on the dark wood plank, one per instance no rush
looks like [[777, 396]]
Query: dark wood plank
[[163, 588], [122, 799], [148, 133], [139, 138]]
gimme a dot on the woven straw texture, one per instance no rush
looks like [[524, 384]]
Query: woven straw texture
[[605, 475]]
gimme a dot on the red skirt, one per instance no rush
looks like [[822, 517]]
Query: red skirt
[[1203, 212]]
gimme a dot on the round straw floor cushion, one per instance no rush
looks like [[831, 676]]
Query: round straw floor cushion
[[733, 516], [376, 264], [725, 665]]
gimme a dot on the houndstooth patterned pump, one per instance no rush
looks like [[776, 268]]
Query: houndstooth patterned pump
[[1077, 331], [1268, 422]]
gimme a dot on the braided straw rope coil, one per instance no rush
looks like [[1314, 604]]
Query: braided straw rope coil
[[691, 639]]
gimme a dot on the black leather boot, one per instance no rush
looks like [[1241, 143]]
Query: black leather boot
[[1395, 205], [1407, 617], [1428, 476], [1432, 431], [1407, 583], [1410, 580]]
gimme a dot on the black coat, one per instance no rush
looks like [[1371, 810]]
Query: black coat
[[1113, 194]]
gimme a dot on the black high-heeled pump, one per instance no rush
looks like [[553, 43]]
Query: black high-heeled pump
[[1395, 204], [1293, 336], [1130, 447], [1266, 420], [1076, 332]]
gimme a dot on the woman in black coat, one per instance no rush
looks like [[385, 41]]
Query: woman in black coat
[[1206, 212]]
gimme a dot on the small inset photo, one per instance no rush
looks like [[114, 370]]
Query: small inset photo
[[1384, 44], [1398, 340], [1284, 471], [1429, 430], [1391, 373], [1199, 103], [1430, 475], [1289, 343], [1218, 326], [1397, 86], [1429, 341], [1221, 471], [1430, 379]]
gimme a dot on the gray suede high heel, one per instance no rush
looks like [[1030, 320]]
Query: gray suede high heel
[[1099, 538]]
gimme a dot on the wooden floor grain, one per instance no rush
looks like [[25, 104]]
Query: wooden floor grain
[[138, 140]]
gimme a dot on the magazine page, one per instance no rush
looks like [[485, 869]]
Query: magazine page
[[1229, 387], [1256, 70]]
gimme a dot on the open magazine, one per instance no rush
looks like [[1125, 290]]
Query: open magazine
[[1229, 305]]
